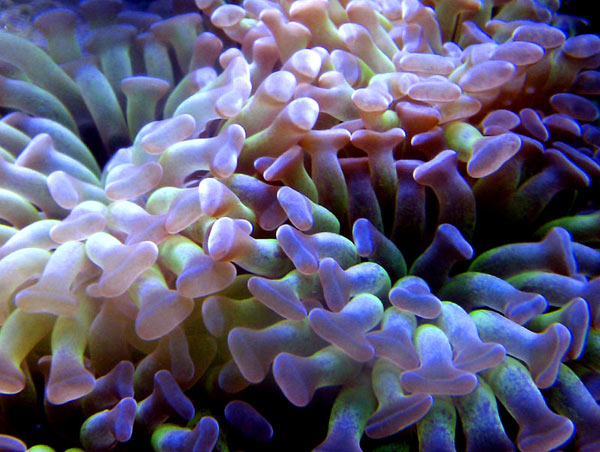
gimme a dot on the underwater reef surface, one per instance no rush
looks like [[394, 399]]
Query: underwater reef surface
[[304, 225]]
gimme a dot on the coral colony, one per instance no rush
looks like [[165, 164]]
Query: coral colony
[[329, 225]]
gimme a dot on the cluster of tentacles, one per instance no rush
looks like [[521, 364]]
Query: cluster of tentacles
[[383, 212]]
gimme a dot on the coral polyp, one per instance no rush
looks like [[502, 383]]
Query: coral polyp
[[327, 225]]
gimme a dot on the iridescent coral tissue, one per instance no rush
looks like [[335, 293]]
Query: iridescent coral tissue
[[311, 225]]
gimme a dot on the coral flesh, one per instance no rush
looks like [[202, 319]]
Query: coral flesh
[[299, 225]]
